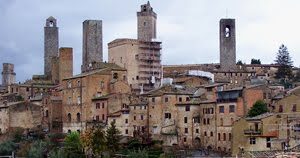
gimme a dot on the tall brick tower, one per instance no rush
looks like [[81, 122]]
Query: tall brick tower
[[8, 74], [146, 23], [227, 44], [50, 44], [92, 49]]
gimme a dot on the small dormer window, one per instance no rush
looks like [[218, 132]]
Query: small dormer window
[[144, 8]]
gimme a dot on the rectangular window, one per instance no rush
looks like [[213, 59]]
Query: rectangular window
[[231, 108], [185, 120], [219, 136], [153, 100], [268, 140], [208, 121], [252, 140], [126, 131], [126, 121], [102, 105], [102, 84], [224, 136], [69, 100], [180, 99], [103, 117], [78, 100], [294, 108], [168, 115], [221, 109], [186, 130], [142, 117], [97, 105], [97, 118], [166, 99], [134, 117], [187, 108], [197, 130], [229, 137]]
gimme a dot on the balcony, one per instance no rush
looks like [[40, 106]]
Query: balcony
[[252, 132]]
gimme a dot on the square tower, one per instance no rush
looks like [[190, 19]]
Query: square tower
[[8, 74], [92, 49], [50, 44], [146, 23], [227, 44]]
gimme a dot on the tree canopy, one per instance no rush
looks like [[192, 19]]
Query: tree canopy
[[113, 137], [259, 107], [285, 63], [255, 61]]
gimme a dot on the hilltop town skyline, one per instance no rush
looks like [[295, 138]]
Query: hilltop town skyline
[[178, 28]]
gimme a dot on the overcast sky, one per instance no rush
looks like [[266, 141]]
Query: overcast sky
[[188, 29]]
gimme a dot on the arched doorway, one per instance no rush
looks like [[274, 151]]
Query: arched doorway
[[197, 142]]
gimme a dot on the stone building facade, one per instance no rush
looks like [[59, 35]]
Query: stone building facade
[[51, 44], [62, 65], [141, 57], [8, 74], [92, 48], [80, 90]]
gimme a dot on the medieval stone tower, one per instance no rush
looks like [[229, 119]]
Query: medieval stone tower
[[8, 74], [50, 44], [92, 49], [227, 44], [146, 23]]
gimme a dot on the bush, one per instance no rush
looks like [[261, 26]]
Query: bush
[[138, 154], [37, 150], [7, 148]]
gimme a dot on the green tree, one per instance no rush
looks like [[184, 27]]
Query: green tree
[[138, 153], [7, 148], [73, 146], [255, 61], [57, 153], [37, 150], [113, 137], [98, 141], [259, 107], [239, 62], [285, 63]]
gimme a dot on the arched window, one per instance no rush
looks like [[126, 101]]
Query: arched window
[[227, 31], [69, 117], [78, 117], [224, 136]]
